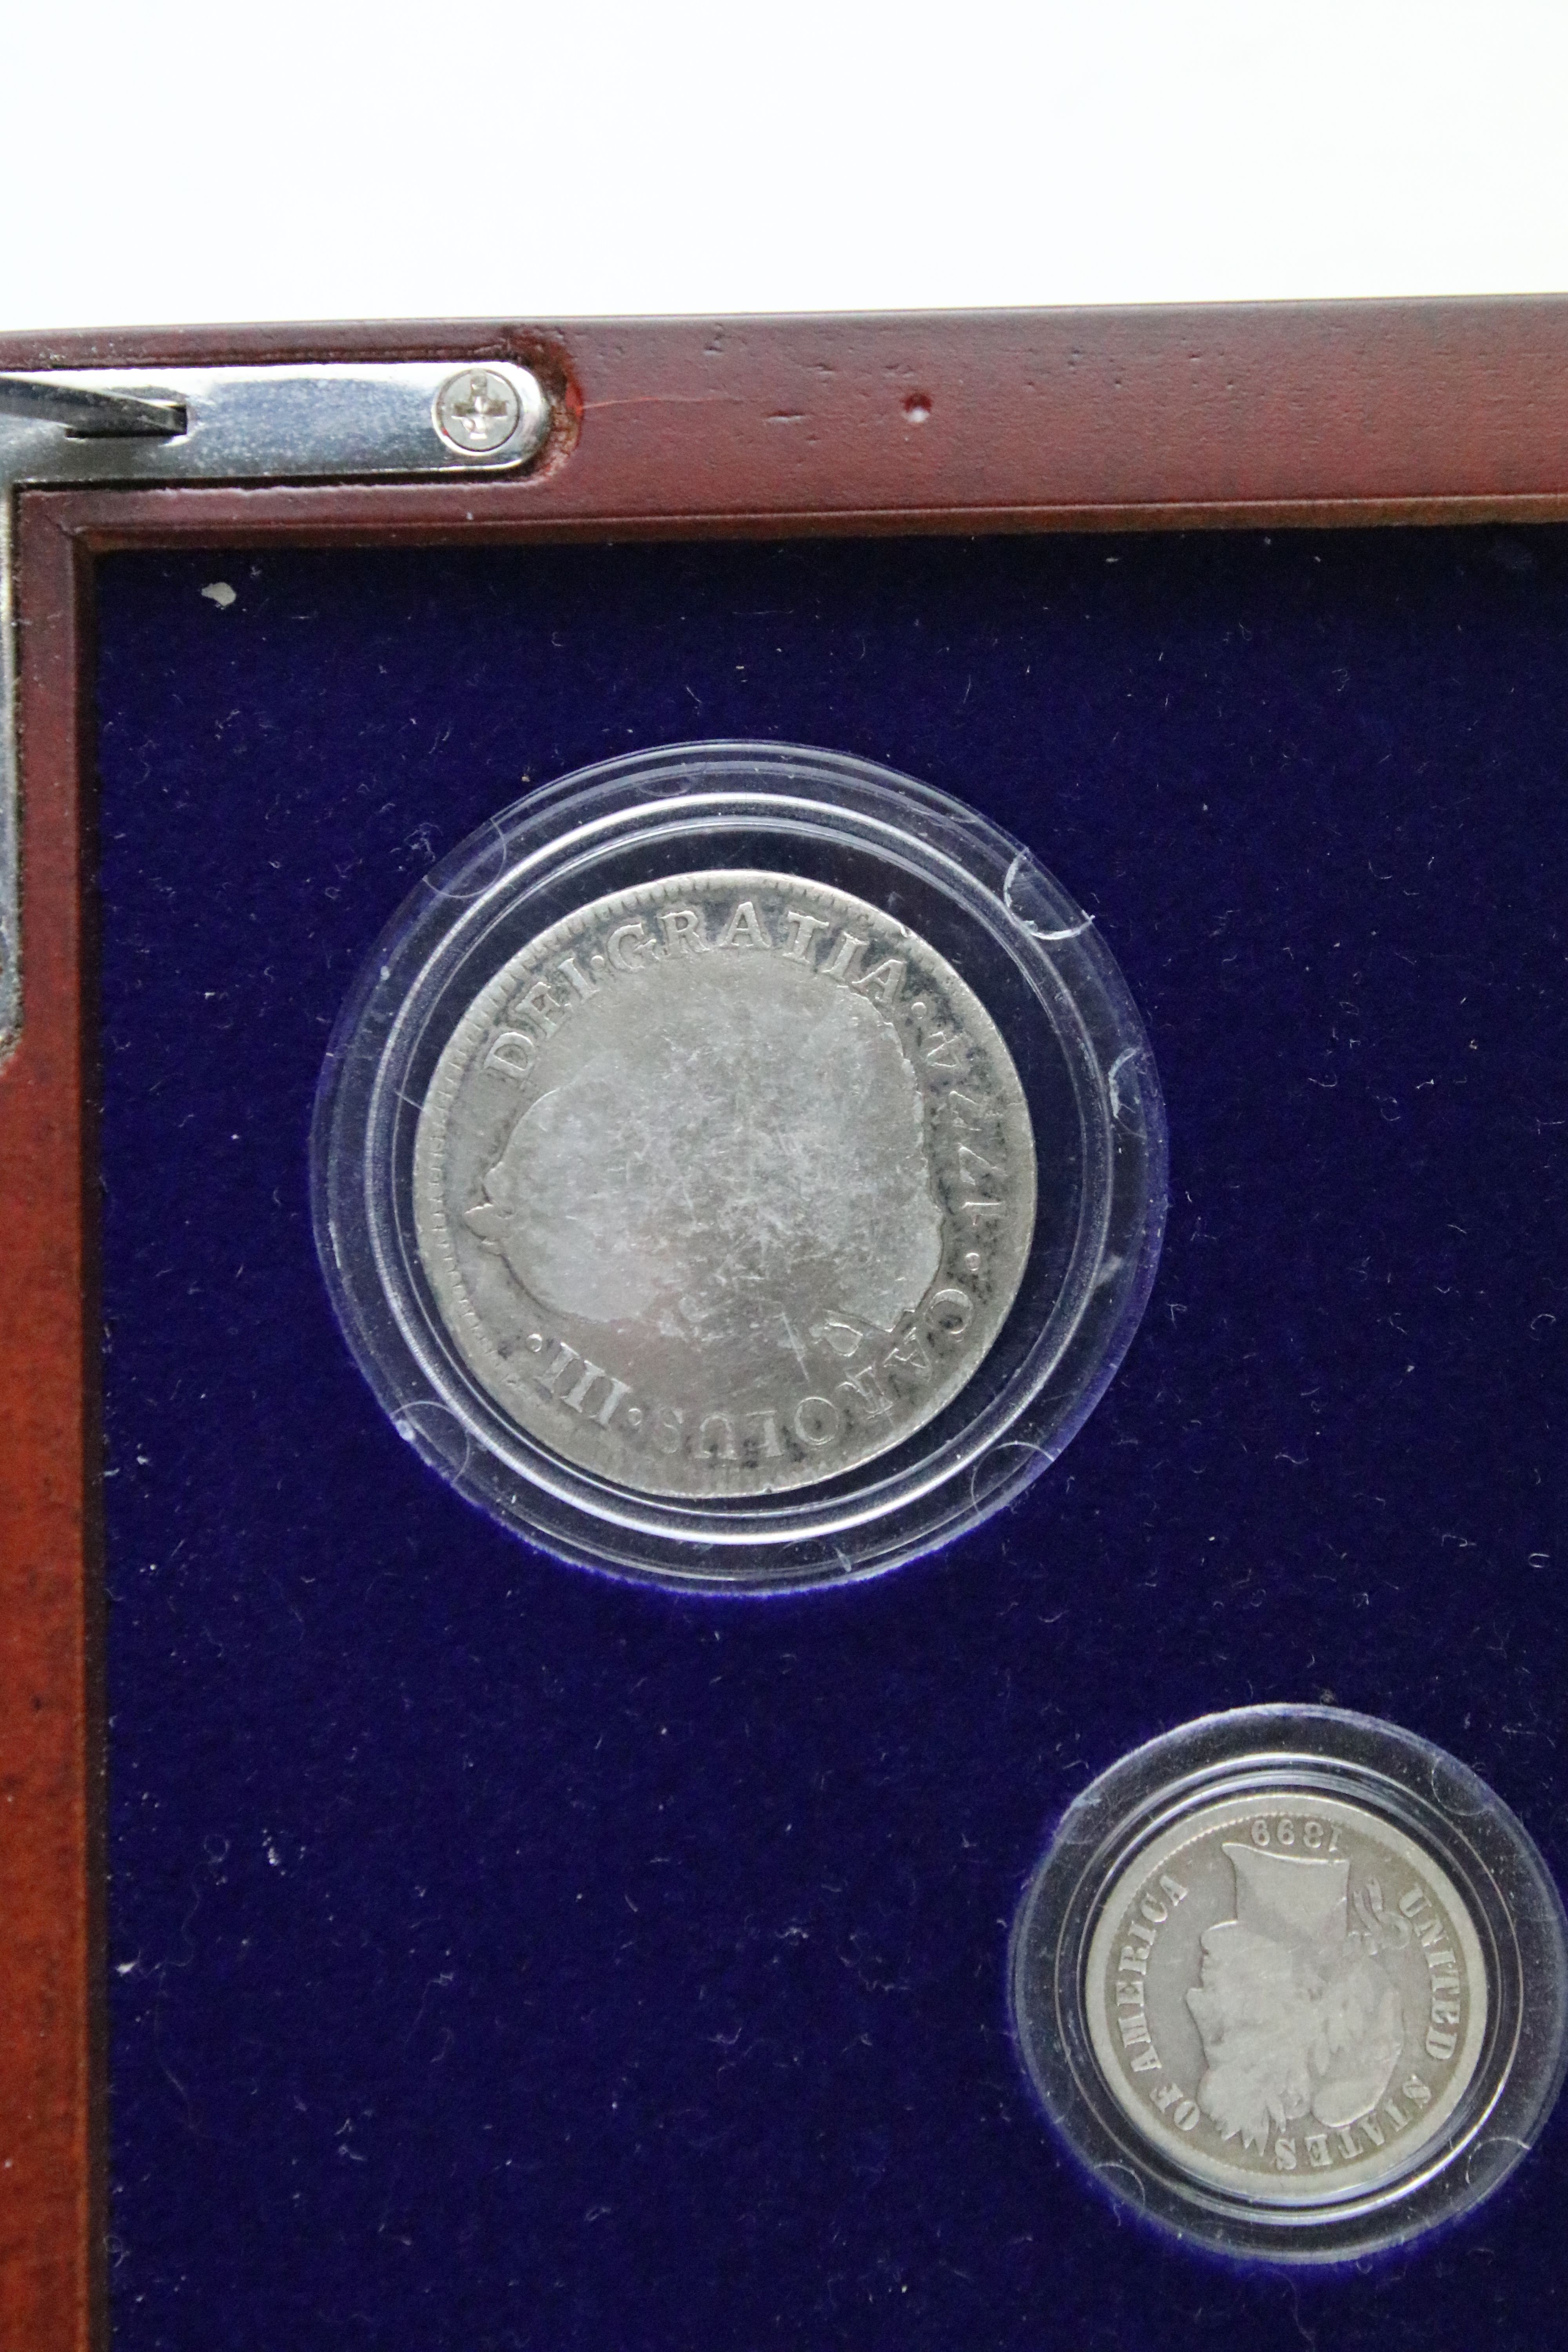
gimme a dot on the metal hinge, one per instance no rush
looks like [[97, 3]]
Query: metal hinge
[[159, 425]]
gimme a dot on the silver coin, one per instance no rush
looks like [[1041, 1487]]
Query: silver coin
[[724, 1185], [1287, 1995]]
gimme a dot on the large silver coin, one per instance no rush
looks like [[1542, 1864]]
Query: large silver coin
[[1288, 1997], [724, 1185]]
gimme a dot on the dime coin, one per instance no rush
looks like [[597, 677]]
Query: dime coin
[[1287, 1997], [724, 1185]]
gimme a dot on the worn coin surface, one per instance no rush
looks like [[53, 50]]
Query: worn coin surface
[[1288, 1997], [724, 1185]]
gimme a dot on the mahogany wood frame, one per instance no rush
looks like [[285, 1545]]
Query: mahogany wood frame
[[1359, 413]]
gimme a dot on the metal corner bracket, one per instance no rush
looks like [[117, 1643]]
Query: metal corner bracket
[[128, 426]]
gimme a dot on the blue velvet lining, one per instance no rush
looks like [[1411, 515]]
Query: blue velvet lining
[[505, 1958]]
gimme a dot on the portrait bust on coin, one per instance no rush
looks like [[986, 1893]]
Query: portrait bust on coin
[[724, 1185], [1288, 1997], [1298, 2016]]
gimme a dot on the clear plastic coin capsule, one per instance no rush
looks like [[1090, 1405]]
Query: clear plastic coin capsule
[[1292, 1982], [739, 1167]]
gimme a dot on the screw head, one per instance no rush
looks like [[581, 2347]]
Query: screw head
[[478, 411]]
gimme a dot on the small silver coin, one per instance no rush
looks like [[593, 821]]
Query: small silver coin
[[1288, 1998], [724, 1185]]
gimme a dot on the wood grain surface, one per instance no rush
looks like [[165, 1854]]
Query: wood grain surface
[[1330, 412], [1345, 412], [51, 1866]]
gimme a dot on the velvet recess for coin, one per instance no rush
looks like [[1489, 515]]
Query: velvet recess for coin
[[724, 1184]]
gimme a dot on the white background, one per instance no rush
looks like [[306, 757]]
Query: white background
[[185, 160]]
